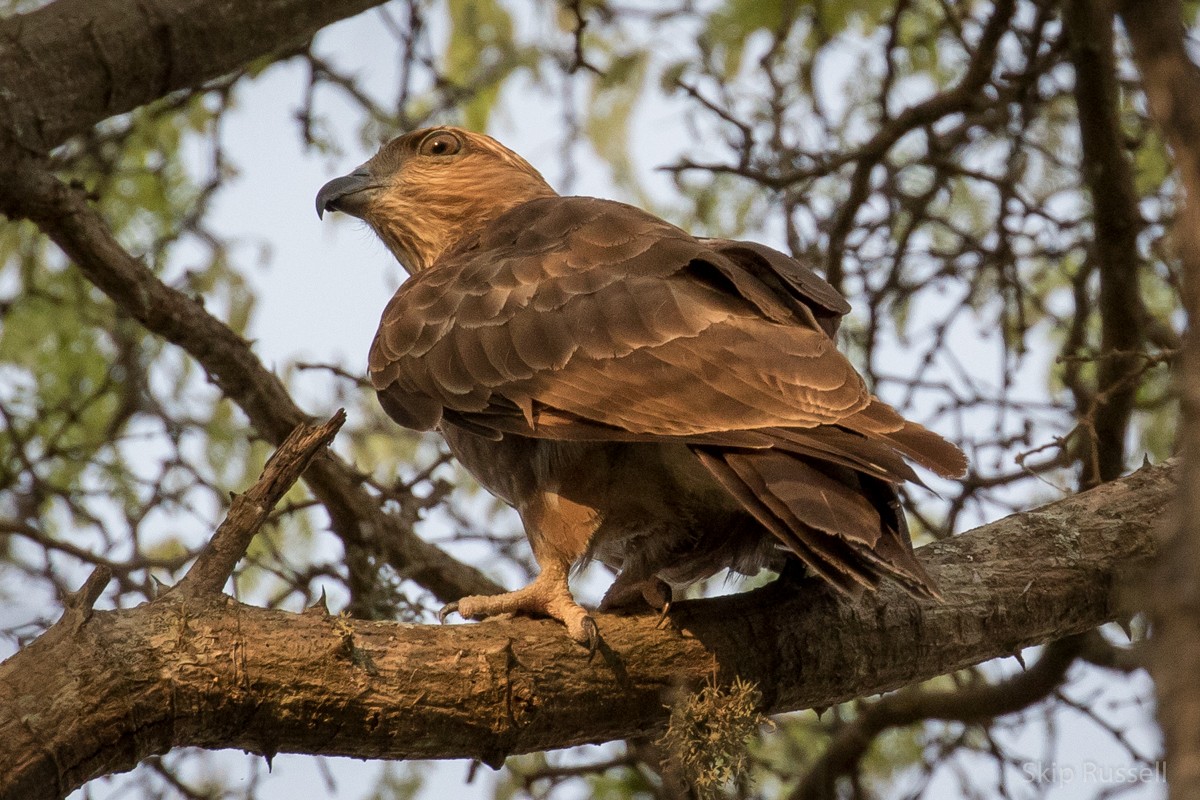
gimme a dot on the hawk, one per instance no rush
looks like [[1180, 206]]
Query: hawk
[[666, 404]]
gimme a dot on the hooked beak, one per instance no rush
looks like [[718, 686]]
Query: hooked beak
[[346, 193]]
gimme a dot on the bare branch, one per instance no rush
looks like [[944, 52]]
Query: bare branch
[[249, 511], [65, 216], [971, 705], [967, 93], [77, 606], [1109, 176], [73, 63], [1172, 83]]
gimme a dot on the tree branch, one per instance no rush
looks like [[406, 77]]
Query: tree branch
[[1108, 173], [915, 704], [209, 672], [73, 63], [966, 94], [249, 511], [62, 213], [1172, 84]]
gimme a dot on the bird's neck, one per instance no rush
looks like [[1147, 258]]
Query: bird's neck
[[419, 230]]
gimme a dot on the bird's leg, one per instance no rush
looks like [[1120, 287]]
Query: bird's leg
[[558, 531], [627, 593]]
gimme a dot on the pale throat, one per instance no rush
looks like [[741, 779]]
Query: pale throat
[[416, 248], [419, 228]]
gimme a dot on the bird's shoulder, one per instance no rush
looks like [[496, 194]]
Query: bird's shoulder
[[562, 238], [584, 243], [543, 253], [534, 259]]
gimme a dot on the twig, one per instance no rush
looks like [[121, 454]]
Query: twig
[[249, 511], [974, 704], [77, 606]]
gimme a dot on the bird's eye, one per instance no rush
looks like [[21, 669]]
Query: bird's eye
[[440, 143]]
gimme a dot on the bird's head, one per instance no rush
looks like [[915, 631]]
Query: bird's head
[[426, 190]]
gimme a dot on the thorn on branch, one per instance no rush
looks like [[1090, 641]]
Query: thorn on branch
[[320, 607]]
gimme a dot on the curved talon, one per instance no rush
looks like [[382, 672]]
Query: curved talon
[[592, 631], [447, 610]]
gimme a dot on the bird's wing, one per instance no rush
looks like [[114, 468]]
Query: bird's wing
[[577, 310], [787, 277]]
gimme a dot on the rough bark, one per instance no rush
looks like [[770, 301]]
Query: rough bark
[[74, 63], [1172, 84], [98, 692]]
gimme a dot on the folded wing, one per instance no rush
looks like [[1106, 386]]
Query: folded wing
[[577, 318]]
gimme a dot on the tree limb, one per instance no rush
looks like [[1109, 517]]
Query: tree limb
[[1108, 173], [915, 704], [63, 214], [249, 511], [209, 672], [1172, 82], [73, 63]]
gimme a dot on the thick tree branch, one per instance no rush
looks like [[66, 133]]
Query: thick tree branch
[[206, 671], [73, 63], [1172, 84], [65, 216]]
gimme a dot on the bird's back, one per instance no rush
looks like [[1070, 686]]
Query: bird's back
[[587, 349]]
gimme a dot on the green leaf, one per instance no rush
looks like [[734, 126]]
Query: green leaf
[[481, 54]]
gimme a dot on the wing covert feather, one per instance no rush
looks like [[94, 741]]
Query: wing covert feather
[[593, 308]]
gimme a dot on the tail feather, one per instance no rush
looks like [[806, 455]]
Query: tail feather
[[846, 526], [836, 569], [846, 448]]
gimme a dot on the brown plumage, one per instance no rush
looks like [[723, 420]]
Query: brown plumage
[[668, 405]]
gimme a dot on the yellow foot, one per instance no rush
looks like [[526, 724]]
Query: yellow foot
[[541, 598]]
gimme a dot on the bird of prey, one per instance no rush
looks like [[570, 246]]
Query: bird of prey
[[666, 404]]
